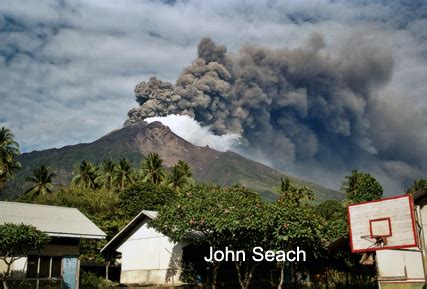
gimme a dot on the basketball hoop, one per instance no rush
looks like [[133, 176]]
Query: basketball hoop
[[377, 241], [382, 224]]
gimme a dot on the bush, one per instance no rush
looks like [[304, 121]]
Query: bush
[[89, 280]]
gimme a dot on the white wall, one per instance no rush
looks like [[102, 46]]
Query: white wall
[[18, 268], [148, 257], [403, 265]]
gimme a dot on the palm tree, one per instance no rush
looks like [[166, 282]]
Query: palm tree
[[41, 182], [106, 176], [123, 174], [152, 169], [9, 150], [180, 175], [85, 175], [350, 182], [295, 194], [285, 185]]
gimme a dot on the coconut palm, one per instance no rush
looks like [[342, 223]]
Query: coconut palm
[[85, 175], [123, 174], [9, 150], [41, 182], [106, 174], [152, 169], [285, 185], [180, 175], [350, 182]]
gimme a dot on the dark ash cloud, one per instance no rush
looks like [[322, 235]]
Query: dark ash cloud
[[298, 109]]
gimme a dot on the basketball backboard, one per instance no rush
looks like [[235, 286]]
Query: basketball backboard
[[383, 224]]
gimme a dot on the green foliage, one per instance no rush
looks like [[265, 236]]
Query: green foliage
[[9, 151], [213, 211], [123, 174], [294, 194], [333, 217], [366, 189], [331, 209], [41, 182], [418, 185], [89, 280], [85, 175], [17, 241], [145, 196], [20, 240], [152, 169], [106, 175], [220, 217], [294, 223], [180, 176], [350, 182]]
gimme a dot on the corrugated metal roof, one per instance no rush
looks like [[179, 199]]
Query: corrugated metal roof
[[53, 220]]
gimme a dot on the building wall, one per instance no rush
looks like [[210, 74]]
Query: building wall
[[18, 268], [399, 269], [148, 257]]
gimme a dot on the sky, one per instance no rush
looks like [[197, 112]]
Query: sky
[[68, 69]]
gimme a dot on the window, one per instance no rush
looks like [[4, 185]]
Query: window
[[44, 267], [32, 266], [56, 267]]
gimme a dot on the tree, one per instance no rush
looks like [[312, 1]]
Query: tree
[[141, 195], [152, 169], [350, 182], [294, 194], [41, 182], [9, 151], [106, 174], [293, 223], [222, 216], [85, 175], [17, 241], [418, 185], [123, 174], [330, 209], [366, 189], [180, 176]]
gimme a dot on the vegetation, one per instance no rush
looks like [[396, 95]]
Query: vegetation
[[9, 151], [180, 176], [123, 174], [41, 182], [361, 187], [114, 192], [152, 169], [418, 185], [106, 175], [208, 166], [17, 241], [85, 175]]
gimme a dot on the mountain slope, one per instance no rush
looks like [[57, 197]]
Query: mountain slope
[[136, 141]]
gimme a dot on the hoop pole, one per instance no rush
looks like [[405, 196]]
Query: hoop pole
[[419, 217]]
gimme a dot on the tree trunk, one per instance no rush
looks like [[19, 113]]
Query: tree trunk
[[107, 267], [245, 280], [282, 276], [6, 274], [215, 266]]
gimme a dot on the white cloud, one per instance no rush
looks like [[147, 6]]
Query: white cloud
[[190, 130]]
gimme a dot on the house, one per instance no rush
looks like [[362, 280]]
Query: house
[[147, 256], [406, 268], [59, 259]]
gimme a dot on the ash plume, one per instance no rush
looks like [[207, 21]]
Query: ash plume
[[298, 109]]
